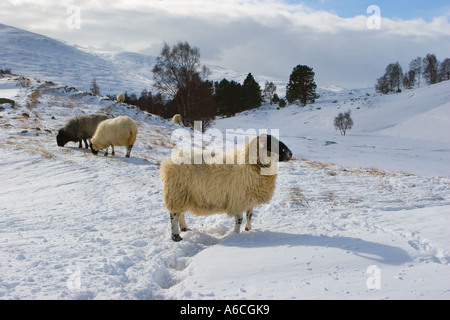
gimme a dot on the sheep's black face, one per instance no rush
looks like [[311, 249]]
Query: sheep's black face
[[284, 153], [62, 138]]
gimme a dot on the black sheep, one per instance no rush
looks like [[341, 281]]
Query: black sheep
[[79, 128]]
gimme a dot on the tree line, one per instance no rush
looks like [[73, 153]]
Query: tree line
[[182, 88], [428, 69]]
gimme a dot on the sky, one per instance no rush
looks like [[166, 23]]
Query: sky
[[347, 43]]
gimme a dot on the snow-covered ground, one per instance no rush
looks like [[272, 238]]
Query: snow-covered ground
[[365, 217]]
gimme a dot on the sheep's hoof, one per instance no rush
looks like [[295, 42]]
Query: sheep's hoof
[[127, 156], [247, 229], [176, 238], [186, 229]]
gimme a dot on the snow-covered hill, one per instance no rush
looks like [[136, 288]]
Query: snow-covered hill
[[48, 59], [408, 131], [340, 226]]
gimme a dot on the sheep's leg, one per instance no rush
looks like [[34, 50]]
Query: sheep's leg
[[238, 218], [80, 145], [106, 152], [86, 145], [248, 223], [174, 217], [129, 151], [112, 147], [183, 224]]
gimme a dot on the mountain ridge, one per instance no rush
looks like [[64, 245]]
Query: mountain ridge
[[43, 57]]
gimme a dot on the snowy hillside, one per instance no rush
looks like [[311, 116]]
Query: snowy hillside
[[408, 131], [48, 59], [365, 217]]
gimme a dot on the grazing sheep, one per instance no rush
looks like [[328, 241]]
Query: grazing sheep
[[205, 189], [176, 119], [120, 97], [120, 131], [78, 129]]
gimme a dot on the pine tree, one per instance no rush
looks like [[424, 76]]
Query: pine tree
[[251, 93], [228, 97], [301, 85]]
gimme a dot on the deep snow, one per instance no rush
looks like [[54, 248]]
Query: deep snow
[[76, 226]]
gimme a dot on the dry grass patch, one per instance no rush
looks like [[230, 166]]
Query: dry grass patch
[[297, 196]]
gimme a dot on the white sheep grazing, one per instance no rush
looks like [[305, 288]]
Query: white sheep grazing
[[120, 131], [176, 119], [206, 189], [120, 97]]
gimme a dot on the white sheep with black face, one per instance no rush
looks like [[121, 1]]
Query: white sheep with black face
[[206, 189]]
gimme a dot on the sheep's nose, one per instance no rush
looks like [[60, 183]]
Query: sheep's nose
[[287, 155]]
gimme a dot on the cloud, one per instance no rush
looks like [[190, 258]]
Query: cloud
[[263, 37]]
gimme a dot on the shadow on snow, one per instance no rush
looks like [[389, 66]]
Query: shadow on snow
[[378, 252]]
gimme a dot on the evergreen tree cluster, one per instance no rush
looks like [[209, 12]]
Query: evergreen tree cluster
[[428, 68], [232, 97], [208, 99]]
